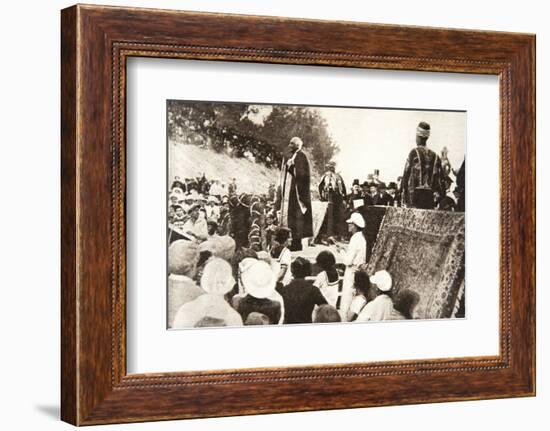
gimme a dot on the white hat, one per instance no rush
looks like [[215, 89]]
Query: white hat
[[382, 279], [213, 199], [217, 277], [357, 219], [258, 279]]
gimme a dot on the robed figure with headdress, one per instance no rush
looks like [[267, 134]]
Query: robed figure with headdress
[[295, 195], [423, 175], [333, 191]]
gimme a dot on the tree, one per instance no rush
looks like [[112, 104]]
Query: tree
[[228, 127], [285, 122]]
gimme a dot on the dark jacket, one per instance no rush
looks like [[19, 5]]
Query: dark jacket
[[382, 199], [301, 224], [300, 298]]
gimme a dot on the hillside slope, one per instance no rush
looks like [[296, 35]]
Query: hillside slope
[[192, 161]]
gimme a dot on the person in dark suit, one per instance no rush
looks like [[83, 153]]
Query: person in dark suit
[[295, 203], [367, 196], [392, 191], [382, 197]]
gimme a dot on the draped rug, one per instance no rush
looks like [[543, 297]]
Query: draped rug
[[423, 250]]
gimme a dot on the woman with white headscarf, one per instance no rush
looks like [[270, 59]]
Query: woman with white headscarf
[[216, 281], [381, 307]]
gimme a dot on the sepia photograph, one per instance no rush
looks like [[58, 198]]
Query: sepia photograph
[[296, 214]]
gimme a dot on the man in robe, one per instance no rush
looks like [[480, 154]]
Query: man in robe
[[423, 175], [295, 202], [333, 191]]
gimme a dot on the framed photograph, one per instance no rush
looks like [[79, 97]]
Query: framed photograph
[[329, 214]]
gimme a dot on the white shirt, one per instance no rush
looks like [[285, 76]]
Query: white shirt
[[380, 308], [356, 253], [285, 258], [328, 289], [357, 305]]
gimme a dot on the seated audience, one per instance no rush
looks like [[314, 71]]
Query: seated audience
[[216, 281], [183, 257], [300, 296]]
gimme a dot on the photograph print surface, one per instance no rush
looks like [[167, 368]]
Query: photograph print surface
[[296, 214]]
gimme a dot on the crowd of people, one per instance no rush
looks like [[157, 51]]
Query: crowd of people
[[214, 283]]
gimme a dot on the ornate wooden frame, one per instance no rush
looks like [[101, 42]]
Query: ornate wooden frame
[[95, 43]]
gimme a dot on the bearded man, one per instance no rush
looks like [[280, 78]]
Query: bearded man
[[295, 202]]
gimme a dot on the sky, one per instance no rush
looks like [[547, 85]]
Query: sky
[[381, 139]]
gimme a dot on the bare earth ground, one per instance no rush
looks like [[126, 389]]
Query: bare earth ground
[[192, 161]]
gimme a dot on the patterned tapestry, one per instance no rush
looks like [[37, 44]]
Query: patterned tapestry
[[423, 250]]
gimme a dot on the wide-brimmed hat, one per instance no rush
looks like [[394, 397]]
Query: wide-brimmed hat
[[258, 279], [357, 219], [382, 279], [217, 277]]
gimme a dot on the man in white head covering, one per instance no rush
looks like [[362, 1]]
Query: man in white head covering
[[353, 257], [381, 307]]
